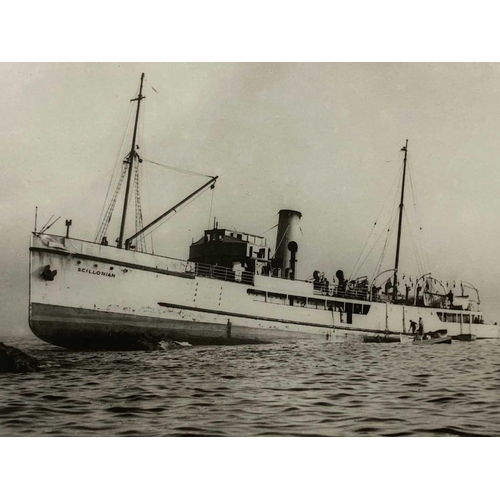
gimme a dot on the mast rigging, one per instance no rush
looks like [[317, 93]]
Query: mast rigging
[[126, 171], [398, 244], [210, 183], [130, 161]]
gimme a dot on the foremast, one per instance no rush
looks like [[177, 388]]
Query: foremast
[[401, 207], [130, 161]]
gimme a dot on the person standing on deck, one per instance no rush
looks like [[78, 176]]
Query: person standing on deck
[[417, 296], [388, 286], [450, 298]]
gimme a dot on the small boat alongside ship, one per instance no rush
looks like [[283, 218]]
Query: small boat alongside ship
[[231, 290], [437, 337]]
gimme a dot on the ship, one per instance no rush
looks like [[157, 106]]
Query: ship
[[232, 289]]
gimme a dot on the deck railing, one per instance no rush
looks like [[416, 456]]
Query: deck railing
[[247, 278], [219, 273]]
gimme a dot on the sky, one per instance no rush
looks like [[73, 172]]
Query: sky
[[321, 138]]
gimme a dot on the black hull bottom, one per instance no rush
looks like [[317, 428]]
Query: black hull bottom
[[83, 329]]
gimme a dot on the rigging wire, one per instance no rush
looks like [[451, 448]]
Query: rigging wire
[[118, 162], [418, 248], [374, 245], [137, 181], [145, 172], [386, 244], [415, 249], [282, 238], [183, 170], [269, 218], [357, 269], [106, 207], [44, 227], [48, 227], [106, 218], [276, 225], [384, 248], [418, 218], [176, 211], [398, 178], [389, 232], [147, 81], [140, 243], [393, 219], [101, 232]]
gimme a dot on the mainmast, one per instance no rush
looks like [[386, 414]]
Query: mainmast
[[401, 206], [130, 161]]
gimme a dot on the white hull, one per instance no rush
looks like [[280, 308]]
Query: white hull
[[104, 297]]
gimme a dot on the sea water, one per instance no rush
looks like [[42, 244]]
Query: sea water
[[339, 387]]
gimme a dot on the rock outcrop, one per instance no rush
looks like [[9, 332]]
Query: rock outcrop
[[13, 360]]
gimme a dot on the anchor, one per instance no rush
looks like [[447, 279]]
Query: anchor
[[47, 274]]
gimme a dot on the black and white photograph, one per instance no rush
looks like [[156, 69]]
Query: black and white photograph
[[258, 249]]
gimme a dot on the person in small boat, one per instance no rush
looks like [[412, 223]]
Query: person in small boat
[[421, 328], [413, 326]]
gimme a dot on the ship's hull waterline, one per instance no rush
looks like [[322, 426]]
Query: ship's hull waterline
[[107, 298]]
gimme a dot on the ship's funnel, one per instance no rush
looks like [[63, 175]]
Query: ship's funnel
[[287, 243]]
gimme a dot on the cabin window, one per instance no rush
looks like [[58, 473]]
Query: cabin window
[[297, 301], [257, 295], [315, 304], [335, 305], [357, 308], [276, 298], [441, 316], [366, 309], [466, 318]]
